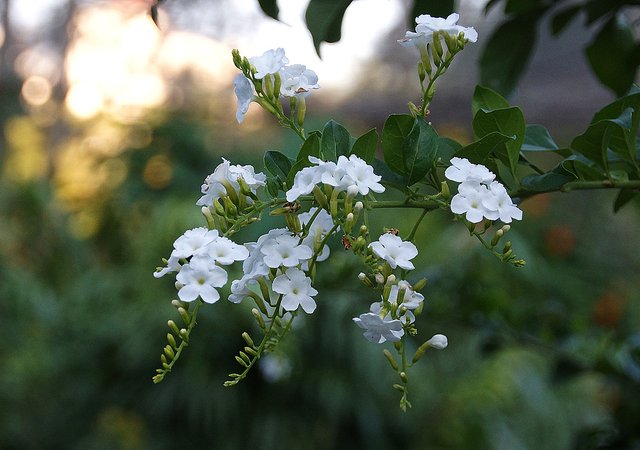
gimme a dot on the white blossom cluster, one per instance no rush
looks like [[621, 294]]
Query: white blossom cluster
[[350, 174], [224, 181], [479, 195], [427, 26], [295, 79]]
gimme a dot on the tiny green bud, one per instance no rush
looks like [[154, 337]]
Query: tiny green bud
[[258, 317], [320, 197], [184, 335], [163, 359], [241, 361], [420, 284], [496, 237], [444, 189], [379, 278], [244, 356], [169, 352], [365, 279], [173, 327], [237, 59], [184, 315], [391, 279], [230, 209], [391, 359], [217, 207], [506, 228], [507, 247], [172, 341], [398, 387], [364, 230], [359, 206], [403, 377], [437, 48], [248, 339], [206, 212], [422, 74], [176, 304], [301, 112], [244, 187], [277, 83], [251, 351]]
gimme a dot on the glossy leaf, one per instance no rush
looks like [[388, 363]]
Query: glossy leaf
[[310, 147], [537, 138], [550, 181], [420, 151], [507, 53], [389, 177], [508, 121], [270, 8], [335, 141], [394, 134], [487, 100], [365, 145], [605, 135], [480, 151], [324, 20], [581, 168], [612, 55], [447, 148], [277, 164]]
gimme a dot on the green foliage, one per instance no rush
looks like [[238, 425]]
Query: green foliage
[[365, 146], [324, 20], [335, 141], [270, 8], [435, 8]]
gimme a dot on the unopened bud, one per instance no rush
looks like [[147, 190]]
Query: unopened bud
[[359, 206], [437, 48], [302, 111], [391, 279], [184, 315], [258, 317], [444, 189], [169, 352], [237, 59], [206, 212], [421, 71], [403, 377], [391, 359], [320, 197], [230, 209], [379, 278], [248, 339], [496, 237], [173, 327], [507, 247], [365, 279], [217, 207], [438, 341], [420, 284]]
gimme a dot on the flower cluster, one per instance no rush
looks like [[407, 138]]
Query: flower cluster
[[479, 194], [427, 26], [228, 180], [350, 174], [197, 256], [270, 72]]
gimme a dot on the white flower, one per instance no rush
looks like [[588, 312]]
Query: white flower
[[199, 278], [254, 265], [285, 251], [501, 204], [392, 249], [303, 182], [427, 25], [240, 288], [192, 241], [438, 341], [269, 62], [379, 330], [244, 92], [173, 265], [297, 81], [408, 316], [411, 299], [296, 289], [318, 230], [461, 170], [225, 178], [354, 172], [224, 251], [470, 201]]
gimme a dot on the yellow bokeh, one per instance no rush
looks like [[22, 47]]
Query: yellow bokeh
[[26, 158]]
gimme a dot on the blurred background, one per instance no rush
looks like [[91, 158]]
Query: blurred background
[[109, 124]]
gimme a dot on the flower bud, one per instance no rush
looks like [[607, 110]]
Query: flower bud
[[391, 359], [437, 48], [172, 341], [230, 209], [359, 206], [248, 339], [217, 207], [391, 279], [301, 112], [169, 352], [438, 341], [365, 279], [320, 197], [420, 284], [237, 59], [444, 190], [379, 278], [173, 327], [184, 335], [422, 74], [507, 247], [258, 317], [403, 377], [184, 315], [277, 83], [496, 237], [206, 212]]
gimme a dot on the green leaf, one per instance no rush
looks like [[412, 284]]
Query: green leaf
[[324, 20], [607, 135], [273, 186], [480, 151], [435, 8], [612, 55], [623, 197], [394, 133], [270, 8], [277, 164], [616, 108], [509, 122], [420, 151], [582, 168], [537, 138], [365, 145], [507, 53], [335, 141], [487, 100], [563, 18], [550, 181], [447, 148], [389, 178], [310, 147]]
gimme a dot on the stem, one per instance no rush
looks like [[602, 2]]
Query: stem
[[322, 244], [417, 224], [260, 348], [582, 186], [426, 204]]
